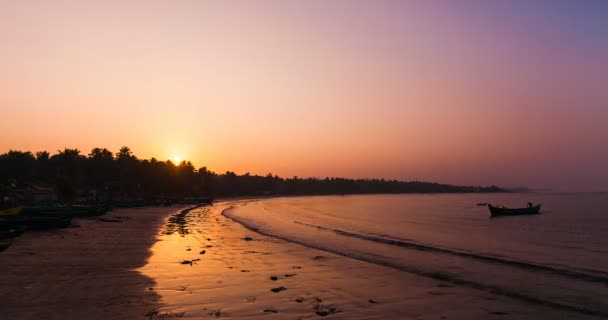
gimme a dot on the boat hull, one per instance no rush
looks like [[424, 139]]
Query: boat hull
[[498, 212], [77, 210], [35, 222]]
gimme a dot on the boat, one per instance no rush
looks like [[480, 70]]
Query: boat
[[502, 211], [42, 223], [10, 211], [21, 222], [74, 210], [11, 231], [135, 203]]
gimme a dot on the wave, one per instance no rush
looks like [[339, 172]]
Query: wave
[[426, 247], [438, 275]]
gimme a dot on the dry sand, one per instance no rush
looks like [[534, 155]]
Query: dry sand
[[212, 268], [83, 272]]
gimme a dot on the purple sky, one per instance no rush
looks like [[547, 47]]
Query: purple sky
[[513, 93]]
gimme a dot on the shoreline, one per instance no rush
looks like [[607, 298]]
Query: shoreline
[[195, 262], [86, 271], [236, 272]]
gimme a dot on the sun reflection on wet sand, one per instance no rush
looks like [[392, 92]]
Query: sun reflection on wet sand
[[209, 266]]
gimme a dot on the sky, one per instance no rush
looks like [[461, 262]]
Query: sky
[[512, 93]]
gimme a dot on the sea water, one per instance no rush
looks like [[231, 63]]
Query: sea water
[[558, 258]]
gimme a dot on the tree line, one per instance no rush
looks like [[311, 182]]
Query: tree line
[[114, 175]]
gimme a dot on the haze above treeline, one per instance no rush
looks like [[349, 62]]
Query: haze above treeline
[[70, 173]]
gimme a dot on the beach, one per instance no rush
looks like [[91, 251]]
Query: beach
[[86, 271], [160, 263], [220, 269]]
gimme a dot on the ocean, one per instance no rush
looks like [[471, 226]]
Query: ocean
[[558, 258]]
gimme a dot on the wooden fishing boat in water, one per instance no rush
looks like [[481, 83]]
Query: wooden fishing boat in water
[[502, 211]]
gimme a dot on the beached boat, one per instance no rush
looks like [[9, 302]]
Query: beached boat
[[11, 231], [501, 211], [136, 203], [74, 210], [21, 222], [10, 211]]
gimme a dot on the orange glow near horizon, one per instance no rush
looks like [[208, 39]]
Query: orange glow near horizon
[[508, 94]]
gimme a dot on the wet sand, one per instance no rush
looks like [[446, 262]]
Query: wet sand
[[160, 264], [87, 271], [216, 268]]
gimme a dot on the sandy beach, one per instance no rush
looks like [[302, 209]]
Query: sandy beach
[[219, 269], [86, 271], [159, 264]]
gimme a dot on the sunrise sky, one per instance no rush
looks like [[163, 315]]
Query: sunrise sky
[[513, 93]]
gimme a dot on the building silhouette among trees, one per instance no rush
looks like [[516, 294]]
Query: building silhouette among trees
[[69, 176]]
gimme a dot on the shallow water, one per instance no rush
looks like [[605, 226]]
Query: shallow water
[[558, 258]]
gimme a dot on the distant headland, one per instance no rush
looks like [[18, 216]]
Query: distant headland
[[70, 176]]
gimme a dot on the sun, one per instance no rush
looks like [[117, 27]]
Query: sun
[[177, 159]]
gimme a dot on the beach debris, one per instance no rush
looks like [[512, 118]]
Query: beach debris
[[208, 239], [202, 252], [319, 257], [251, 299], [151, 314], [248, 238], [299, 299], [437, 293], [372, 301], [318, 299], [274, 278], [165, 315], [296, 267], [243, 270], [324, 310], [278, 289], [188, 249], [208, 246], [499, 313], [271, 310], [187, 262], [183, 288], [108, 220], [195, 260], [290, 275], [218, 313], [151, 289]]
